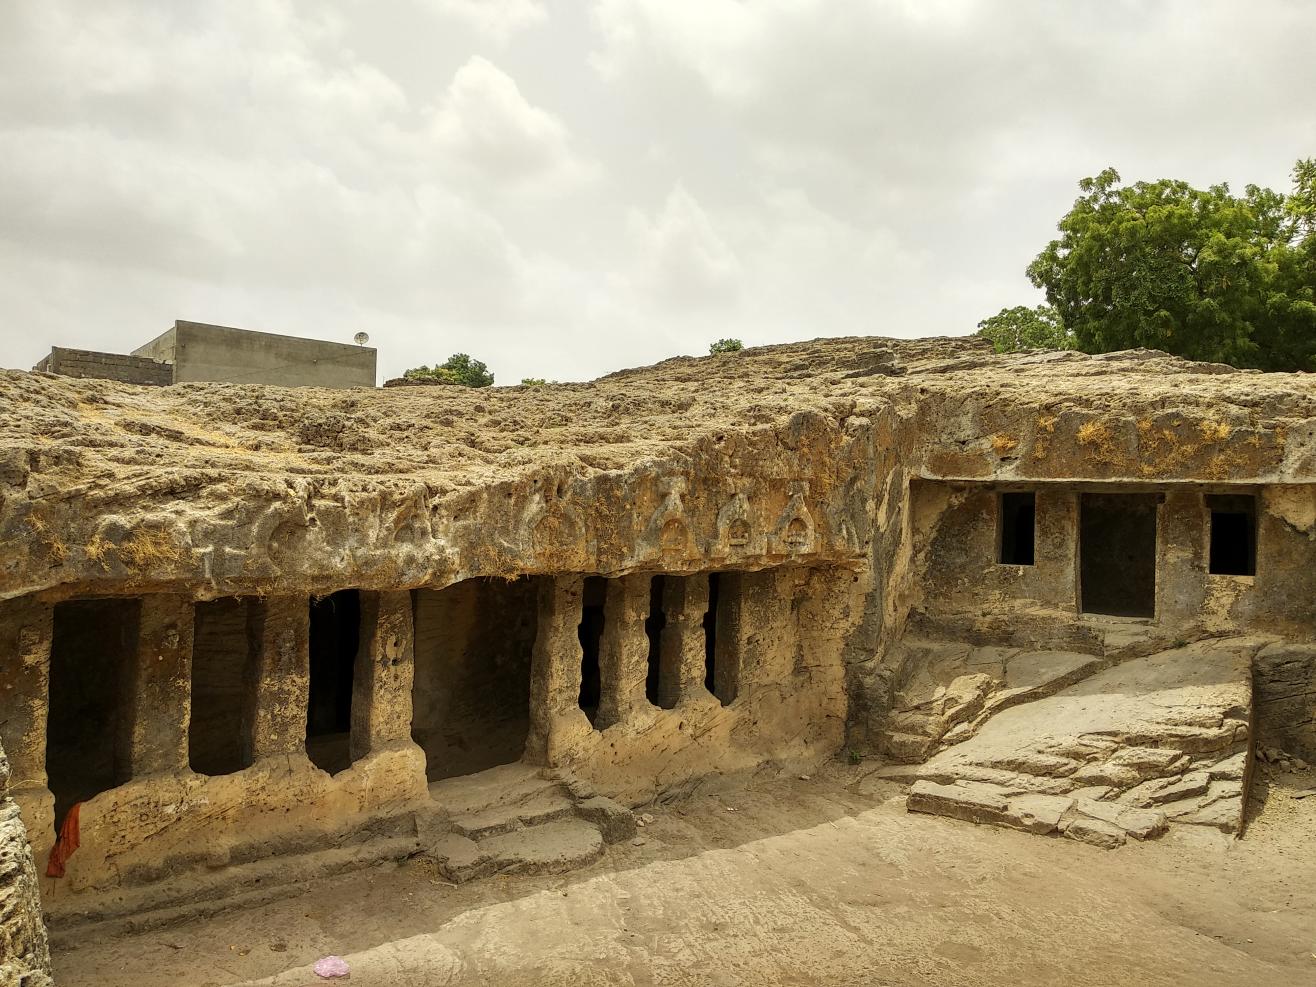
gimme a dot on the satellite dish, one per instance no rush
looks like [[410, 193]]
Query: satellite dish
[[361, 338]]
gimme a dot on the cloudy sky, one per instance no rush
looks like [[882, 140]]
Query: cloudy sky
[[567, 188]]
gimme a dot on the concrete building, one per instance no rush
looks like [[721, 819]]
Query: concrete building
[[197, 351]]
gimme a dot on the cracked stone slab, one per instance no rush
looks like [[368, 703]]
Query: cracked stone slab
[[553, 848], [983, 803], [1097, 832], [1157, 721], [970, 802], [1230, 768], [1042, 670], [1040, 814], [1141, 824], [614, 820]]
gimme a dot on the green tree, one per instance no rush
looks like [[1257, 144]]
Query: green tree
[[1200, 273], [533, 381], [457, 369], [725, 346], [1023, 328]]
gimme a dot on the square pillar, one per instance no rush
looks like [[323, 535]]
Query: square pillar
[[753, 641], [681, 643], [158, 690], [729, 636], [381, 690], [1057, 547], [623, 650], [280, 630], [26, 630], [555, 664]]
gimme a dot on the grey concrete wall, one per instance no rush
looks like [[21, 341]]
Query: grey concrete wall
[[161, 348], [106, 366], [204, 352]]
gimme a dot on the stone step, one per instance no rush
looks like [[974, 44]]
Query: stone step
[[1104, 824], [505, 785], [549, 849], [546, 807], [204, 894], [553, 848]]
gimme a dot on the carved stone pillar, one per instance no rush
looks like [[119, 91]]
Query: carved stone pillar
[[555, 665], [158, 690], [280, 630], [24, 952], [381, 692], [728, 636], [682, 650], [754, 640], [26, 630], [623, 650]]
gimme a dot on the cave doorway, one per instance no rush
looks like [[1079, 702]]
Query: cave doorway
[[223, 687], [335, 638], [92, 649], [470, 695], [1117, 554]]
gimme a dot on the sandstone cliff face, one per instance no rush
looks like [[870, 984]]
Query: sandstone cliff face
[[230, 488], [846, 485]]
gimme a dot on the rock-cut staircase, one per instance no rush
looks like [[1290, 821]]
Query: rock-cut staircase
[[518, 819], [1085, 747]]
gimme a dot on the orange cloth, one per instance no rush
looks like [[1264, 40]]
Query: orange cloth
[[66, 844]]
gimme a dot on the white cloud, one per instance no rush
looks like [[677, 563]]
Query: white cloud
[[486, 126], [494, 19], [684, 262], [564, 189]]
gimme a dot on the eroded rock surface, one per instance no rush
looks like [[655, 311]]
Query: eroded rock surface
[[1285, 684], [836, 497], [1158, 739], [24, 954]]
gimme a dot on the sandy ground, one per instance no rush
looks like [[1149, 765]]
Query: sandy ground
[[781, 880]]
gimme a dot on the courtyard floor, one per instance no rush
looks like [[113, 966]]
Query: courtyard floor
[[789, 880]]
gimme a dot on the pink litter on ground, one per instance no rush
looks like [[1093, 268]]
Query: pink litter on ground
[[331, 966]]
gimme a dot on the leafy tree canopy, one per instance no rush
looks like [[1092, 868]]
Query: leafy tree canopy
[[725, 346], [1023, 328], [457, 369], [1202, 273]]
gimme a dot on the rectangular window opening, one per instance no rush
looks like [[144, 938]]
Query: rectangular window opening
[[93, 644], [590, 633], [1117, 554], [335, 639], [223, 687], [653, 629], [1233, 534], [1017, 523]]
